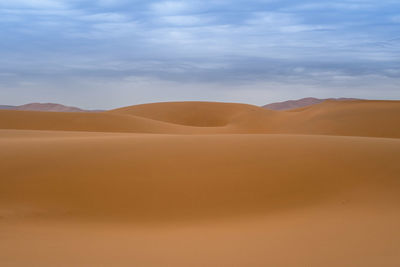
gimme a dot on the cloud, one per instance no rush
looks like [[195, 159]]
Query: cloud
[[272, 19], [395, 19], [282, 22], [34, 4], [172, 7], [190, 20], [341, 5], [205, 49], [109, 17], [111, 3]]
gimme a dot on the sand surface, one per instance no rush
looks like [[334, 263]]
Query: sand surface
[[202, 184]]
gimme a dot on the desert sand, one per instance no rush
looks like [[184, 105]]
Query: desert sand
[[202, 184]]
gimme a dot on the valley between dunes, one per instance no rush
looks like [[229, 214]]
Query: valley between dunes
[[202, 184]]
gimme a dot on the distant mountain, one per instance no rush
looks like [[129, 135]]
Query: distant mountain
[[7, 107], [308, 101], [46, 107]]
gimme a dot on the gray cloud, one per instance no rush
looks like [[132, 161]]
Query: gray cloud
[[221, 50]]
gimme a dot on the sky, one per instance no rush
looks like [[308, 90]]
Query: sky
[[112, 53]]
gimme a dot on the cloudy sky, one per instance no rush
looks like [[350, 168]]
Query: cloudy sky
[[111, 53]]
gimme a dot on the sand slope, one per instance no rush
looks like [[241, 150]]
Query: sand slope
[[206, 114], [176, 176], [354, 118], [317, 186], [92, 122]]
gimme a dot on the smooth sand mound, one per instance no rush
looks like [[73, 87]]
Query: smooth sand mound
[[157, 177], [204, 114], [107, 199], [353, 118], [346, 118]]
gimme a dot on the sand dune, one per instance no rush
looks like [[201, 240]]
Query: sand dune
[[92, 122], [206, 114], [213, 185], [347, 118]]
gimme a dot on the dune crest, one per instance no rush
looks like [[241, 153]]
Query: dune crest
[[204, 114]]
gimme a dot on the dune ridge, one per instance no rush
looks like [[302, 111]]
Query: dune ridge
[[346, 118]]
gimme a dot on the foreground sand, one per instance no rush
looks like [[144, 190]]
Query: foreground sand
[[222, 185]]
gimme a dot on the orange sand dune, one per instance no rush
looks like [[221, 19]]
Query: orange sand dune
[[348, 118], [73, 121], [354, 118], [217, 185], [206, 114]]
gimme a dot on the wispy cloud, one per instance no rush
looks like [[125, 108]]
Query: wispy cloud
[[187, 20], [172, 7], [108, 17], [395, 18], [34, 4]]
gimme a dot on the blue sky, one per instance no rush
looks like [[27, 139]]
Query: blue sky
[[111, 53]]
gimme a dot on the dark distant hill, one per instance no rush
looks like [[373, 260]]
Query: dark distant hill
[[7, 107], [292, 104], [46, 107]]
